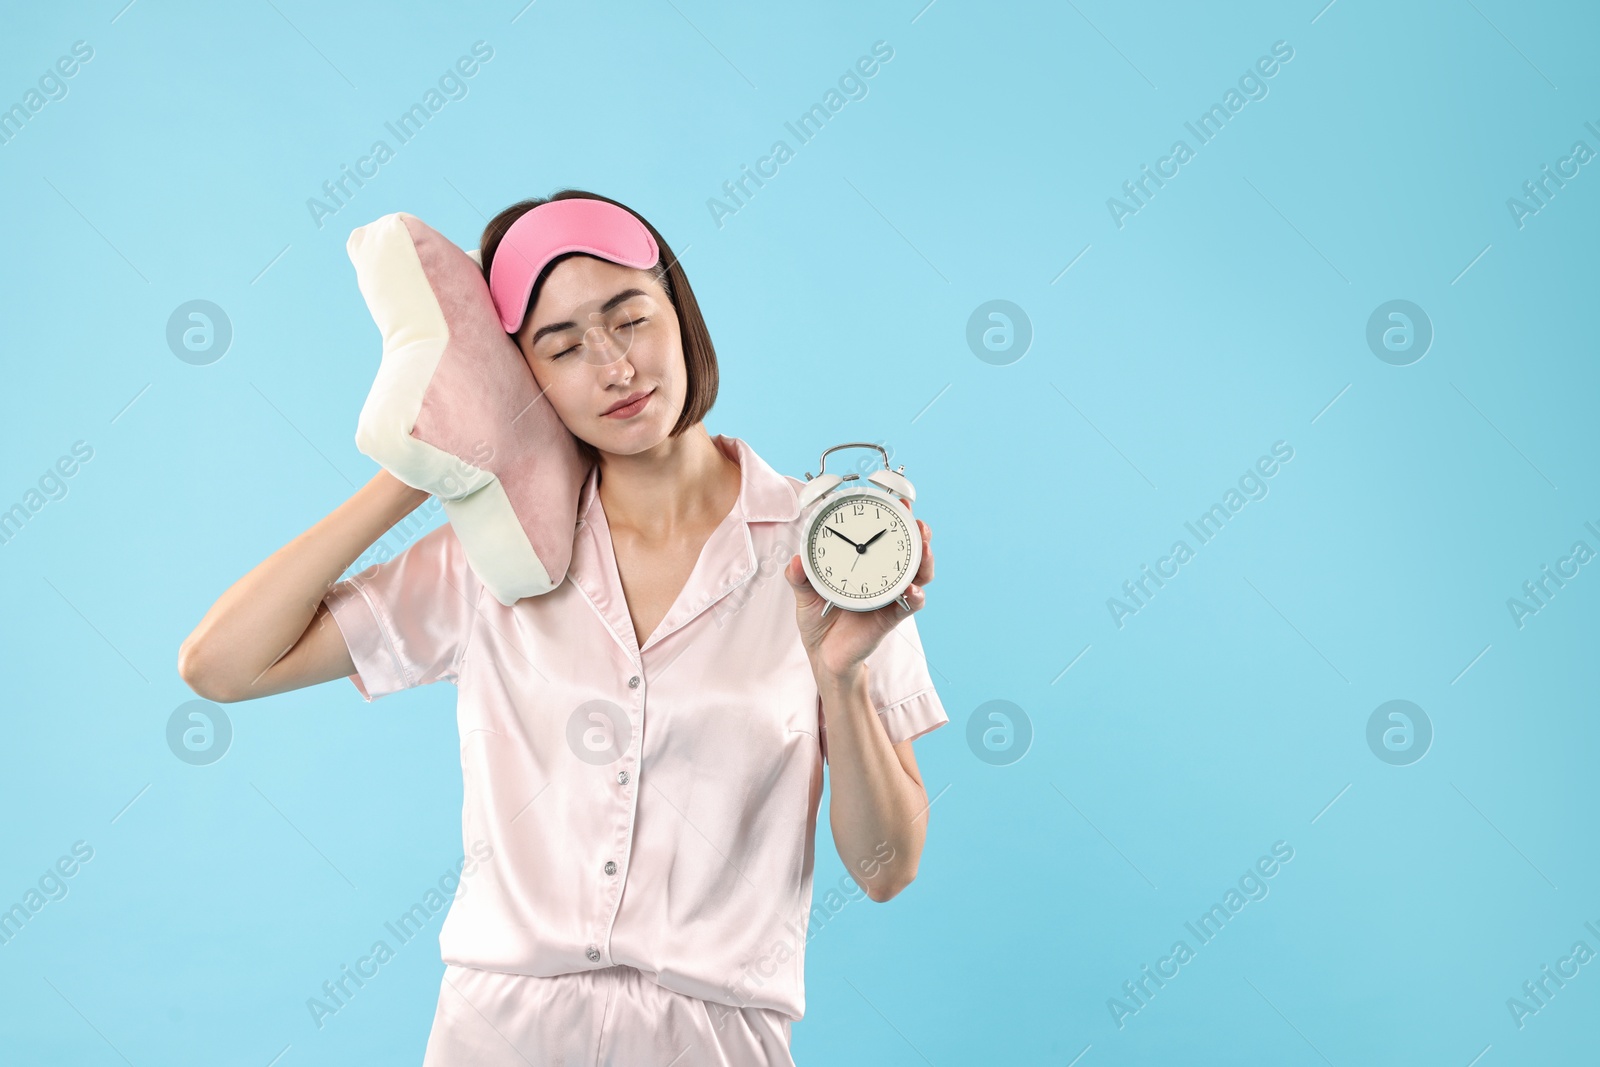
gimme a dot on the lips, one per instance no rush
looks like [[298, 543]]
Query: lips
[[627, 402]]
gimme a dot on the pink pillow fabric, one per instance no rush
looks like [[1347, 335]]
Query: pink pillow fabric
[[454, 409]]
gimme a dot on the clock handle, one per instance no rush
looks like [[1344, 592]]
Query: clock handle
[[895, 482], [822, 463]]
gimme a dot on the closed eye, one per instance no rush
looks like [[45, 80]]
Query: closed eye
[[635, 322]]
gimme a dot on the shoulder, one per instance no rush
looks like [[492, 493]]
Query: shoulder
[[767, 495], [441, 540], [441, 550]]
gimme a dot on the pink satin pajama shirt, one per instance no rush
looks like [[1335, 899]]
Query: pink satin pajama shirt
[[649, 807]]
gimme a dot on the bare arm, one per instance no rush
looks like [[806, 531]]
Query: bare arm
[[879, 810], [270, 632]]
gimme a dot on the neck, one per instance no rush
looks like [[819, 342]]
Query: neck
[[683, 483]]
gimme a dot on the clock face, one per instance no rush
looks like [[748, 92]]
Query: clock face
[[860, 548]]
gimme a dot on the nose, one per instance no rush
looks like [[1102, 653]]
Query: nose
[[602, 349], [617, 369]]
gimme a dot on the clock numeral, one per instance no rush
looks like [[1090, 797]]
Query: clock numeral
[[860, 507]]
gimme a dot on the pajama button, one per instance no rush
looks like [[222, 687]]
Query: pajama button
[[611, 867], [593, 954], [633, 683], [622, 776]]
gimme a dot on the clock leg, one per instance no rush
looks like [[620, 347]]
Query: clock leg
[[827, 607], [901, 600]]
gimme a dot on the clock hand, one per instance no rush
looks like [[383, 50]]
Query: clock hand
[[861, 549], [843, 538]]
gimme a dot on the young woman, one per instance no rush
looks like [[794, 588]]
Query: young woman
[[642, 748]]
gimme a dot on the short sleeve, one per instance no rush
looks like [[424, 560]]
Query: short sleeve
[[407, 621], [900, 687], [902, 690]]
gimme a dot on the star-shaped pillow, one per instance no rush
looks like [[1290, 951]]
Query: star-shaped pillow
[[455, 411]]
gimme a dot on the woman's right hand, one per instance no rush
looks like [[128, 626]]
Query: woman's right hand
[[270, 632]]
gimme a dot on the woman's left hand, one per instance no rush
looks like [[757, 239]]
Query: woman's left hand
[[841, 642]]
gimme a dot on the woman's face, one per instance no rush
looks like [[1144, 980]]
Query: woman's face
[[598, 334]]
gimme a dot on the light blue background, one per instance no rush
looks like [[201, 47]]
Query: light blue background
[[1228, 314]]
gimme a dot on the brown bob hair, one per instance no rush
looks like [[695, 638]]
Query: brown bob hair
[[699, 355]]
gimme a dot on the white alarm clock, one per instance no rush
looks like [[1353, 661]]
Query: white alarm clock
[[861, 546]]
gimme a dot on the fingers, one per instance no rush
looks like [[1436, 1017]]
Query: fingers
[[914, 595], [925, 569]]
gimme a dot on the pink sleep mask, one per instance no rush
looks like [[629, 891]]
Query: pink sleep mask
[[579, 224]]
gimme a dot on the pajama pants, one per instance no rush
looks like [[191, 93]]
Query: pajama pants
[[611, 1017]]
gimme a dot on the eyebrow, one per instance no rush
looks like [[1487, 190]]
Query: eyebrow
[[557, 327]]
